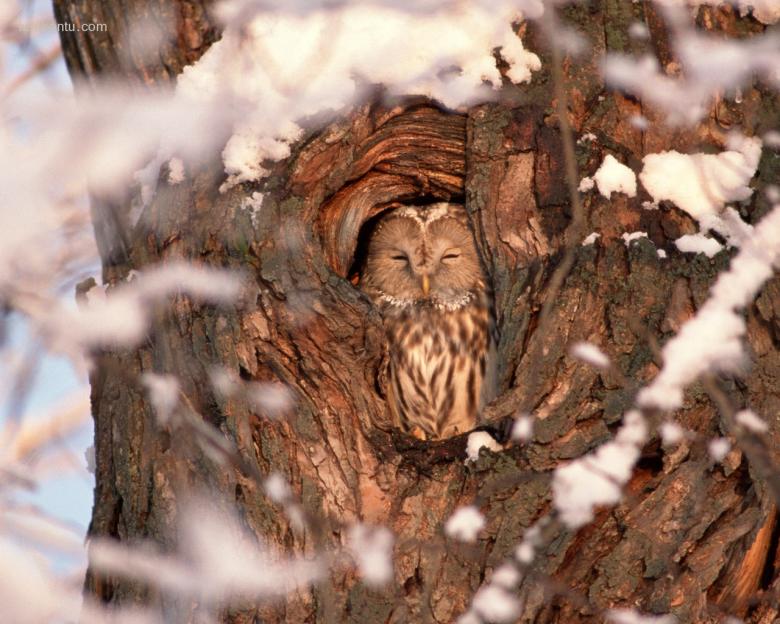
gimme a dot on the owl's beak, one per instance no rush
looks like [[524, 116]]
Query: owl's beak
[[426, 285]]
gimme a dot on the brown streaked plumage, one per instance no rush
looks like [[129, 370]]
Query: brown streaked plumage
[[424, 274]]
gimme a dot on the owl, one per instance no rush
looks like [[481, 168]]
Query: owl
[[424, 273]]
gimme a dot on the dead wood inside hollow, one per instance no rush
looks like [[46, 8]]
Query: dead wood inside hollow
[[416, 154]]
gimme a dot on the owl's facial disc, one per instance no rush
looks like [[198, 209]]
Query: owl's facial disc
[[426, 256]]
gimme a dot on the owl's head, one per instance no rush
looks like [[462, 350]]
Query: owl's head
[[423, 253]]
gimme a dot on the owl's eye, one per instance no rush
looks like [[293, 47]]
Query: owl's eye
[[450, 255], [401, 257]]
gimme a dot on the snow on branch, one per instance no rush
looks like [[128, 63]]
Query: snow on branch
[[29, 591], [121, 316], [709, 66], [465, 524], [709, 342], [614, 177], [164, 394], [234, 12], [598, 478], [277, 68], [217, 561], [701, 184], [372, 549], [591, 354], [632, 616], [698, 243], [712, 340]]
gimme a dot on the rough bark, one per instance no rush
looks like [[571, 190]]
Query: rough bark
[[691, 538]]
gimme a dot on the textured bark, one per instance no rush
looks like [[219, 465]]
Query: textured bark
[[691, 538]]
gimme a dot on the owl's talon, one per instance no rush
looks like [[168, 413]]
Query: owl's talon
[[418, 433]]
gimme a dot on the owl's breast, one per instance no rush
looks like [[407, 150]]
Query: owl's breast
[[438, 361]]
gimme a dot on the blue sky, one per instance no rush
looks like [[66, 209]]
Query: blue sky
[[68, 496]]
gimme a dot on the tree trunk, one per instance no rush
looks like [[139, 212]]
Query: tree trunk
[[690, 538]]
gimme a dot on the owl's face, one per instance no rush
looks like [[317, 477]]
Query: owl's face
[[424, 253]]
